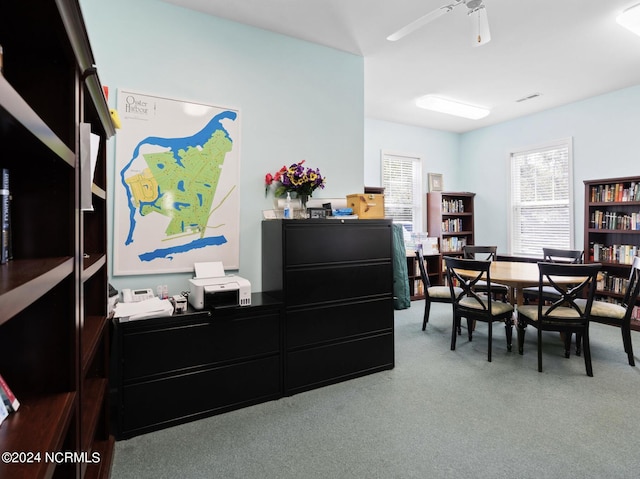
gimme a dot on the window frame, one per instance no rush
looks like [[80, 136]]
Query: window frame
[[561, 143], [418, 197]]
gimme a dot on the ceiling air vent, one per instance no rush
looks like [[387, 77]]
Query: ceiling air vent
[[529, 97]]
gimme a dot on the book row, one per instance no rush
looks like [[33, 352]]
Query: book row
[[617, 192], [615, 253], [5, 235], [452, 225], [454, 243], [611, 220], [452, 206], [612, 283]]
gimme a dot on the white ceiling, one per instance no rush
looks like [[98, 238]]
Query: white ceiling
[[567, 50]]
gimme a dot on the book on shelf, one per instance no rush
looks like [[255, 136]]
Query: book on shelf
[[6, 219], [14, 404], [3, 412]]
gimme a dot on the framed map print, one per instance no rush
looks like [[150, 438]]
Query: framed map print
[[176, 198]]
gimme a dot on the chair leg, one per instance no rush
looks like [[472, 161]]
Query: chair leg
[[578, 343], [427, 309], [508, 327], [490, 340], [628, 346], [470, 328], [521, 330], [567, 344], [454, 336], [539, 350], [587, 352]]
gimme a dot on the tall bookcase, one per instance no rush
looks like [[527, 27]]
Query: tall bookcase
[[54, 330], [450, 219], [612, 232]]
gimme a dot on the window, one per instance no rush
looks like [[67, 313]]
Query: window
[[402, 180], [541, 199]]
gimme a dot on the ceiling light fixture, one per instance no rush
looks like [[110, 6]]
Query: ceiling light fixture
[[630, 19], [451, 107]]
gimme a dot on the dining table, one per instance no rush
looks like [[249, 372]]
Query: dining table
[[518, 275]]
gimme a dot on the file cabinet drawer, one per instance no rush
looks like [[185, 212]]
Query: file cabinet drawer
[[197, 343]]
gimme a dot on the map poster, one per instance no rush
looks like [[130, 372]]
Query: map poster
[[176, 198]]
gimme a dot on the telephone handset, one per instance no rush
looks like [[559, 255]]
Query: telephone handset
[[135, 295]]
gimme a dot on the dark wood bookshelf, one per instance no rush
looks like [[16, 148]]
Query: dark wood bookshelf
[[54, 329], [438, 215], [602, 238]]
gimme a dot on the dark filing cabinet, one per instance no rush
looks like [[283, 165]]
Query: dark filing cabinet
[[335, 278], [176, 369]]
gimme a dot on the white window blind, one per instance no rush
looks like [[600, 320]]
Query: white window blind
[[541, 199], [402, 180]]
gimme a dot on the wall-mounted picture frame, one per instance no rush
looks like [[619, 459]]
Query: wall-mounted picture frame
[[435, 182]]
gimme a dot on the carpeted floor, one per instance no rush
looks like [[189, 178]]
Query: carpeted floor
[[438, 414]]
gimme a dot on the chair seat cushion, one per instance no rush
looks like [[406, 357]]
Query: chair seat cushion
[[497, 307], [531, 312], [443, 291], [604, 309]]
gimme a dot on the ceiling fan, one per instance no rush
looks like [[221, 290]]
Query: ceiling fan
[[476, 11]]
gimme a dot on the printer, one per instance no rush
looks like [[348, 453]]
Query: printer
[[211, 288]]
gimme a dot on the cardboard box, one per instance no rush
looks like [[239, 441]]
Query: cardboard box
[[366, 205]]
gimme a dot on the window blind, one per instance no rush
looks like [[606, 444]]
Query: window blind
[[401, 179], [541, 200]]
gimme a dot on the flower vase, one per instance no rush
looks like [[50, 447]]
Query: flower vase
[[303, 205]]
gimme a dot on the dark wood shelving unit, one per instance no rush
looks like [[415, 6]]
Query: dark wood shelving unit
[[446, 209], [602, 239], [54, 330]]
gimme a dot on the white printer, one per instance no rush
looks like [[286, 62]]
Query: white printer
[[211, 288]]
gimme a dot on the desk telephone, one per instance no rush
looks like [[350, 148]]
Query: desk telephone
[[135, 295]]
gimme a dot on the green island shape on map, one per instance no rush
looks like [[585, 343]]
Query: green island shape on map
[[181, 188]]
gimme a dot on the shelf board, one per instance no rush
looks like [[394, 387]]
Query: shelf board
[[92, 264], [604, 204], [93, 393], [39, 425], [99, 192], [599, 230], [22, 112], [101, 469], [92, 333], [24, 281]]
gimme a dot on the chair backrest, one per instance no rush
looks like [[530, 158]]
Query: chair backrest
[[423, 270], [555, 255], [486, 253], [465, 273], [633, 288], [570, 282]]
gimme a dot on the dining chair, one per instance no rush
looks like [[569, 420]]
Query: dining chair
[[618, 314], [566, 314], [553, 255], [466, 273], [486, 253], [432, 294]]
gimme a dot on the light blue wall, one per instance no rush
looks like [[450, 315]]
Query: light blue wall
[[606, 144], [438, 150], [297, 100]]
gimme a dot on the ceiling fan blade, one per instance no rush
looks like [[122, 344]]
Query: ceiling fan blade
[[480, 22], [429, 17]]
